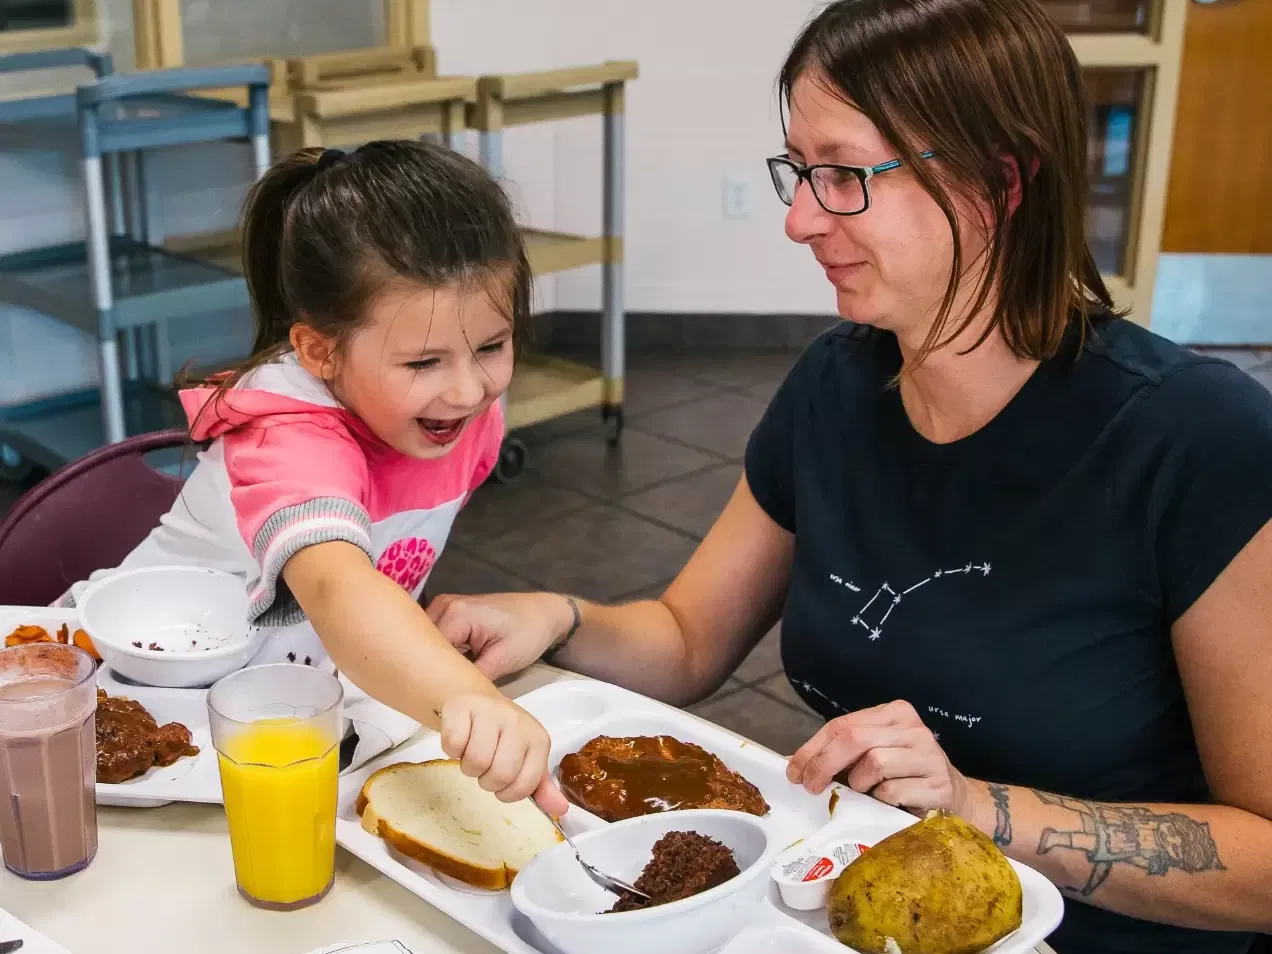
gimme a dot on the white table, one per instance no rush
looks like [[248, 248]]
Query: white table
[[163, 881]]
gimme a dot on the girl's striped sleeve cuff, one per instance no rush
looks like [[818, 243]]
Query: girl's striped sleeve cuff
[[286, 533]]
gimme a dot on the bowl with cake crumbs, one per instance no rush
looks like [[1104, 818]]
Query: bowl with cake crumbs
[[706, 872], [178, 627]]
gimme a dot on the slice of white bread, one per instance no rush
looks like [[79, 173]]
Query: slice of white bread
[[434, 813]]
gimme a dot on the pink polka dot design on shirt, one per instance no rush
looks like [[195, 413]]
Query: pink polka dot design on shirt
[[407, 562]]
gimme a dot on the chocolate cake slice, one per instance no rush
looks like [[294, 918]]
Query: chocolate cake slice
[[684, 863]]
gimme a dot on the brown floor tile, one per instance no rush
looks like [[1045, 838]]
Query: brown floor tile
[[587, 422], [764, 660], [736, 369], [721, 423], [597, 553], [647, 389], [690, 503], [746, 369], [761, 719], [496, 509], [763, 391], [460, 572], [729, 688], [644, 390], [651, 592], [587, 464]]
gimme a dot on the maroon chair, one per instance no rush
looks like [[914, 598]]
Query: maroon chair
[[84, 517]]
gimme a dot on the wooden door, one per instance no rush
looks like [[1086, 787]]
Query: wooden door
[[1219, 198]]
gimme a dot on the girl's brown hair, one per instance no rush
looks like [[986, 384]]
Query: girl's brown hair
[[981, 83], [324, 231]]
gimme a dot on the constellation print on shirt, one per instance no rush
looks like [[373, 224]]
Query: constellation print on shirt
[[889, 599]]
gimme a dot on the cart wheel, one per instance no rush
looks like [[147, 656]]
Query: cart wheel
[[14, 468], [512, 460], [612, 415]]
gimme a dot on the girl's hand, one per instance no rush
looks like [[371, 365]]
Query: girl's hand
[[886, 752], [503, 747], [504, 632]]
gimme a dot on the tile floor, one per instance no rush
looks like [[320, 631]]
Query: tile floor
[[618, 524]]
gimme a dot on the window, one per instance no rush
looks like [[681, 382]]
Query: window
[[29, 25], [1115, 111], [1101, 16]]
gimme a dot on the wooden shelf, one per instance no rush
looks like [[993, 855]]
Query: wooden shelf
[[544, 388], [218, 248], [558, 252], [549, 252]]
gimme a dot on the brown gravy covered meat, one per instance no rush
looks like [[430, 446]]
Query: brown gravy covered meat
[[617, 778], [684, 863], [129, 741]]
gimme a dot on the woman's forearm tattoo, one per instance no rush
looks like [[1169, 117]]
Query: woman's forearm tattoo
[[1154, 842], [1002, 828]]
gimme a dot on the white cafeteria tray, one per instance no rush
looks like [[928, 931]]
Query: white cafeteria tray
[[577, 711], [33, 942], [188, 779]]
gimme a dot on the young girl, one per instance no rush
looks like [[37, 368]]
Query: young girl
[[388, 286]]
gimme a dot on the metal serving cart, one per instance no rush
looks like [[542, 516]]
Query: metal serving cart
[[121, 285], [347, 97]]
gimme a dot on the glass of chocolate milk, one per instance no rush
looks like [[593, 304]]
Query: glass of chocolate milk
[[48, 760]]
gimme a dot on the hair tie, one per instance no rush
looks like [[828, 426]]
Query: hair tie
[[329, 157]]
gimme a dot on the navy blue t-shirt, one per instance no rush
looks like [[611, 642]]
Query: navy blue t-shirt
[[1018, 586]]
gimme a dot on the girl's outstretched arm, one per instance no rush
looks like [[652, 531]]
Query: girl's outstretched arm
[[385, 643]]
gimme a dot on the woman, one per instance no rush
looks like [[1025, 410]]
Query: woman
[[1019, 545]]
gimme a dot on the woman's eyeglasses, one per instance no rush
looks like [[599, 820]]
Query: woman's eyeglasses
[[840, 190]]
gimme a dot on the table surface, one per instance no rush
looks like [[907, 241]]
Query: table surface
[[164, 874]]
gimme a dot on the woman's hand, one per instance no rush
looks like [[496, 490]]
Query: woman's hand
[[504, 632], [503, 747], [886, 752]]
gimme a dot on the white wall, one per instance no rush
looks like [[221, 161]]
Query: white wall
[[702, 109]]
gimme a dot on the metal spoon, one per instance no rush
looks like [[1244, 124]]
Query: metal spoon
[[607, 882], [613, 885]]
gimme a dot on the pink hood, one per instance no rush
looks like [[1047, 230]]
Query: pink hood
[[213, 413]]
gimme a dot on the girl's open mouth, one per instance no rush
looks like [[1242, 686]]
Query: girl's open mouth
[[441, 432]]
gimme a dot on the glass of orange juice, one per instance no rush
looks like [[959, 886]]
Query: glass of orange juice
[[277, 732]]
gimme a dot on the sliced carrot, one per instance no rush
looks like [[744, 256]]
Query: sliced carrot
[[83, 642], [25, 635]]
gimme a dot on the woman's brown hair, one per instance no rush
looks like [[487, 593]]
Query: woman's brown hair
[[324, 231], [982, 84]]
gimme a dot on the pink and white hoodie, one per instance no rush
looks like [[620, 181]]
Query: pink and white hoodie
[[289, 467]]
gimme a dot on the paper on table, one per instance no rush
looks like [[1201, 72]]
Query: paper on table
[[379, 728], [11, 929]]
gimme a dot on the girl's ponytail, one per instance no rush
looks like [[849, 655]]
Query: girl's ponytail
[[265, 224]]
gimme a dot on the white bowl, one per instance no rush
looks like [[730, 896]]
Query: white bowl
[[196, 615], [565, 906]]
